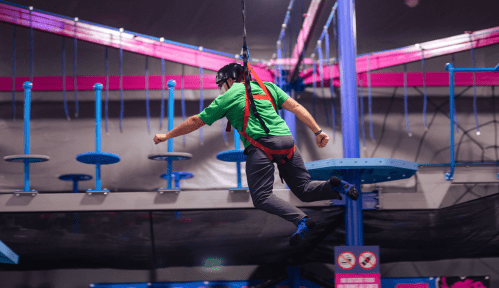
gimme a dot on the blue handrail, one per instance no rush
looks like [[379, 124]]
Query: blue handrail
[[449, 67]]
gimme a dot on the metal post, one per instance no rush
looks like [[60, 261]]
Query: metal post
[[27, 116], [171, 110], [98, 116], [290, 118], [450, 68], [349, 115], [237, 144]]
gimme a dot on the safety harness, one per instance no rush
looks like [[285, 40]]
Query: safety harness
[[247, 107], [250, 104]]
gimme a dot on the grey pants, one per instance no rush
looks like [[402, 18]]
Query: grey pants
[[260, 175]]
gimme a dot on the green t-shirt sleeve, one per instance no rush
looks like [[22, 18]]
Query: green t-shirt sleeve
[[218, 108], [280, 95]]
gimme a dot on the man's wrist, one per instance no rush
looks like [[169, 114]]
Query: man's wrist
[[318, 132]]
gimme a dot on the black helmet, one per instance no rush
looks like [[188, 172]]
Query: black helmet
[[232, 71]]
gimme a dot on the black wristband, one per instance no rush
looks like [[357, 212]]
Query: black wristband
[[318, 132]]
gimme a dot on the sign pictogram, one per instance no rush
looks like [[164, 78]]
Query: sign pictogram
[[367, 260], [346, 260]]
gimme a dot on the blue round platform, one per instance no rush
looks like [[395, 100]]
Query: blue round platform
[[174, 156], [26, 158], [232, 156], [75, 177], [101, 158]]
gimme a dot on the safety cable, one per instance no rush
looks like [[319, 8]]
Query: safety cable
[[14, 73], [106, 101], [182, 101], [473, 63], [406, 113], [148, 115], [245, 54], [201, 102], [64, 98], [122, 102]]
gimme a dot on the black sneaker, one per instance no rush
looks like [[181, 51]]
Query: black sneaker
[[344, 187], [304, 226]]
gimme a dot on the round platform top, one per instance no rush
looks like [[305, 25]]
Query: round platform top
[[232, 156], [26, 158], [101, 158], [174, 156], [179, 174], [75, 177]]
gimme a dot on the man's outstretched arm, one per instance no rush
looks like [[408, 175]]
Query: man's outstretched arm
[[296, 108], [191, 124]]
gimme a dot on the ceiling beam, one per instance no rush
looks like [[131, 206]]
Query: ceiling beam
[[313, 15]]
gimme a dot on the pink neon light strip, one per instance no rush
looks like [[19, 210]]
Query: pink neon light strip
[[85, 83], [412, 53], [111, 38], [305, 33]]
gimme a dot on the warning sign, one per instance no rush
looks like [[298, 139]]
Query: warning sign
[[346, 260], [367, 260]]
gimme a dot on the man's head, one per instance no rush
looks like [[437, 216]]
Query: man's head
[[227, 75]]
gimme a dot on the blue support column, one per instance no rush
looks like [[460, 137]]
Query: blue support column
[[349, 115], [237, 145], [171, 110], [449, 176], [27, 117], [98, 117], [290, 118]]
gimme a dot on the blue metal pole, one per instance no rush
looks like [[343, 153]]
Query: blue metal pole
[[237, 144], [75, 186], [171, 102], [450, 68], [27, 116], [290, 118], [349, 118], [98, 115]]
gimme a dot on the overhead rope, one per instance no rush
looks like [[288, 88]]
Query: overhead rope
[[405, 103], [106, 101], [162, 115], [122, 102], [31, 47], [425, 102], [302, 6], [453, 59], [245, 55], [473, 63], [147, 96], [64, 96], [75, 45], [362, 125], [182, 102], [370, 99], [331, 81], [321, 73], [201, 102], [14, 73], [314, 85]]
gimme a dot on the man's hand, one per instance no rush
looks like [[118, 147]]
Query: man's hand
[[159, 138], [322, 139]]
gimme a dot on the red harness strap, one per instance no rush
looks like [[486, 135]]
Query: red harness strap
[[269, 152]]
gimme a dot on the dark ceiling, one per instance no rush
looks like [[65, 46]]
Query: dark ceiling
[[218, 25]]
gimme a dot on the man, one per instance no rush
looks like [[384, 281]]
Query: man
[[267, 139]]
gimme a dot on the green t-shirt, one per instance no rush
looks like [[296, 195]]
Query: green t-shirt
[[231, 105]]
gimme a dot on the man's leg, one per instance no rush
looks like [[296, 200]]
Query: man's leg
[[260, 175], [298, 180]]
